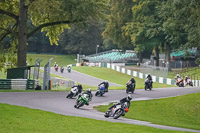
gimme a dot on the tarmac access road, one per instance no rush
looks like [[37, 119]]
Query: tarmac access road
[[56, 102]]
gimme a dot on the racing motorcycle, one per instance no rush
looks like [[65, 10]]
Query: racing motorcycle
[[148, 84], [69, 69], [189, 82], [179, 82], [56, 68], [100, 90], [130, 87], [117, 110], [82, 100], [73, 93], [62, 69]]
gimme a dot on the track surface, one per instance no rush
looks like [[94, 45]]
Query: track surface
[[81, 78], [57, 103]]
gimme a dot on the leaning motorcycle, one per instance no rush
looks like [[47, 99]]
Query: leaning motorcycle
[[117, 111], [130, 87], [100, 91], [148, 84], [189, 82], [73, 93], [82, 100], [180, 82]]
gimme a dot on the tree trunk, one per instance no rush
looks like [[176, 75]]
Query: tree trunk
[[157, 56], [167, 55], [22, 35], [140, 57]]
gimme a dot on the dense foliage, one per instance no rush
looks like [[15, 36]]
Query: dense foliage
[[147, 26]]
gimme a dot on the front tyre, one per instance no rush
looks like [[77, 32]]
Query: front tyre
[[127, 90], [97, 93], [118, 113], [79, 104]]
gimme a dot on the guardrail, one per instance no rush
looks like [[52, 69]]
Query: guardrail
[[18, 84]]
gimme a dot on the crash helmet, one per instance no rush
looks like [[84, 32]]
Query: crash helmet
[[106, 81], [79, 85], [177, 75], [89, 90], [130, 97], [148, 74]]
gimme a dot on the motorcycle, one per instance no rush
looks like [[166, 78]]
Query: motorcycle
[[148, 84], [130, 87], [62, 69], [180, 82], [82, 100], [117, 111], [100, 91], [73, 93], [56, 68], [69, 69], [189, 82]]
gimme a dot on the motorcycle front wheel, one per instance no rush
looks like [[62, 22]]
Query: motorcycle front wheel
[[118, 113]]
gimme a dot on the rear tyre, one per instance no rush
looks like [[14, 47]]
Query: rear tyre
[[107, 114]]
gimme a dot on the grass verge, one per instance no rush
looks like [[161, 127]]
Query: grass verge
[[114, 76], [181, 111], [59, 59], [21, 119]]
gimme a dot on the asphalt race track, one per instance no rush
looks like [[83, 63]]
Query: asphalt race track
[[56, 102], [81, 78]]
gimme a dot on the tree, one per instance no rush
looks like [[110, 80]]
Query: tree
[[52, 16], [143, 29], [82, 41], [120, 13]]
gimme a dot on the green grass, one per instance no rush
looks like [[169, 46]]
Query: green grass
[[59, 59], [22, 120], [114, 76], [181, 111]]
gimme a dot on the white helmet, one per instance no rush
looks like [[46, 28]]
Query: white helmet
[[89, 90], [130, 97]]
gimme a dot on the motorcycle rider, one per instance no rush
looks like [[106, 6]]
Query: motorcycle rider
[[149, 78], [106, 85], [132, 80], [61, 69], [89, 94], [178, 77], [79, 87], [56, 66], [69, 68], [123, 100], [187, 80]]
